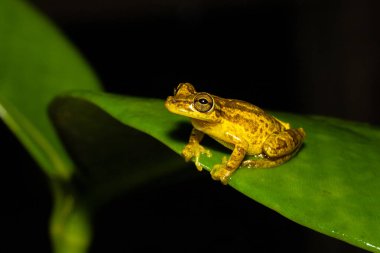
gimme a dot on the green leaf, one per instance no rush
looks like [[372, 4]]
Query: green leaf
[[36, 64], [331, 186]]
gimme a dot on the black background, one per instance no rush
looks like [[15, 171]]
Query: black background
[[307, 57]]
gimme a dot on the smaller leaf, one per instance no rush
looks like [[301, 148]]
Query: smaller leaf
[[36, 64]]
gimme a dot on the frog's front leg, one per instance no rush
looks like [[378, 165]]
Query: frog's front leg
[[224, 170], [194, 149]]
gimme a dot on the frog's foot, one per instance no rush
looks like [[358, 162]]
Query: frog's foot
[[221, 172], [194, 150], [264, 162]]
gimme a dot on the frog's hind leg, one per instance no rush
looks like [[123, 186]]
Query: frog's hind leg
[[283, 143], [278, 148]]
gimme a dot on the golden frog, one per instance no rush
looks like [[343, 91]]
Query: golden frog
[[240, 126]]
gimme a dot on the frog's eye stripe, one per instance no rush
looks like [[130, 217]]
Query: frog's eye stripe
[[203, 102]]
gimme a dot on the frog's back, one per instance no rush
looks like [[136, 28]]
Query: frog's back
[[241, 112], [239, 105], [250, 121]]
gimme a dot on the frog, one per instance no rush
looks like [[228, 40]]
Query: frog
[[240, 126]]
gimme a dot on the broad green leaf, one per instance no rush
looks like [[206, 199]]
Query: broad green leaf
[[36, 64], [331, 186]]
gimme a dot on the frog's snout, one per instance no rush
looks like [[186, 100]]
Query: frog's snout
[[169, 101]]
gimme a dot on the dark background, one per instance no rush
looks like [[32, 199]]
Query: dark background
[[308, 57]]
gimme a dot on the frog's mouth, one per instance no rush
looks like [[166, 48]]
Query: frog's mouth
[[177, 106]]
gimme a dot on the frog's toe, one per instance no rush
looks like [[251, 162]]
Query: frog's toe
[[206, 152], [225, 177], [220, 173], [198, 164], [194, 150], [187, 153]]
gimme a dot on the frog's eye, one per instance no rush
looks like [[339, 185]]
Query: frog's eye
[[203, 102]]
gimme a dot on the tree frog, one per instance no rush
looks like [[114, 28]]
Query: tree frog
[[240, 126]]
